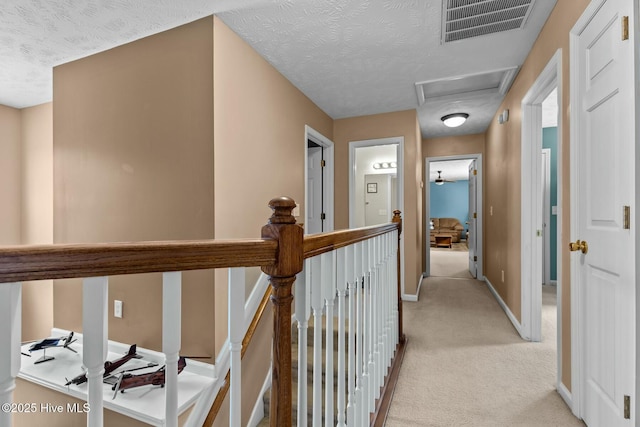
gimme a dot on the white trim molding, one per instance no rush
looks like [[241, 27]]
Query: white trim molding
[[506, 309], [414, 298], [257, 414]]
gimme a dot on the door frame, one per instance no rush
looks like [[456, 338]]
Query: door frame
[[353, 145], [577, 342], [479, 204], [328, 178], [531, 211], [531, 204], [546, 216]]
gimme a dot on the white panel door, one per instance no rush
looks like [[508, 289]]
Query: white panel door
[[606, 277], [377, 199], [314, 191], [472, 239]]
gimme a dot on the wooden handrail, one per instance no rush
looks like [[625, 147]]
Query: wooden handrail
[[280, 254], [21, 263], [316, 244], [222, 393]]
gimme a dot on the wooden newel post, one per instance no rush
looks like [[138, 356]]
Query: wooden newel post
[[283, 228], [397, 219]]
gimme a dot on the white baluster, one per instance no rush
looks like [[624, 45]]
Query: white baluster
[[341, 285], [366, 326], [303, 309], [237, 280], [394, 281], [392, 284], [351, 277], [381, 361], [328, 292], [10, 336], [373, 340], [316, 306], [388, 301], [171, 341], [94, 346], [359, 335]]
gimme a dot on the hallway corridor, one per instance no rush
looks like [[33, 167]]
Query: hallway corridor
[[467, 366]]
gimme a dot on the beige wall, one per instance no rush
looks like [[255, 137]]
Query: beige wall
[[259, 132], [10, 136], [405, 124], [260, 120], [449, 146], [133, 161], [502, 173], [37, 213]]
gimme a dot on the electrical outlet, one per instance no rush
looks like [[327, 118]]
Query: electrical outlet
[[117, 308], [502, 276]]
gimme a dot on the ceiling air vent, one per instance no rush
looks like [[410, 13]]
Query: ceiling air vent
[[463, 19]]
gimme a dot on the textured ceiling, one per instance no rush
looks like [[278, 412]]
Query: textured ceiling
[[351, 58]]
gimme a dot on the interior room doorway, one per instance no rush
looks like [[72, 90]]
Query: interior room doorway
[[319, 179], [376, 177], [541, 169], [453, 216]]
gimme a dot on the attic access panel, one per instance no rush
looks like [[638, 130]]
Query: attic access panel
[[463, 19], [466, 86]]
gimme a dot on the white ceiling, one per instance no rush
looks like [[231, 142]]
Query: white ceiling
[[455, 170], [351, 58]]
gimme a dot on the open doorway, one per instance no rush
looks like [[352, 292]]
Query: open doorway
[[319, 179], [541, 315], [453, 216], [376, 186]]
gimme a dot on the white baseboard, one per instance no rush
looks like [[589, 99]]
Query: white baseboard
[[414, 298], [566, 395], [258, 409], [506, 309]]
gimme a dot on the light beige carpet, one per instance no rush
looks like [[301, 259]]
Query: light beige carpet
[[450, 263], [467, 366]]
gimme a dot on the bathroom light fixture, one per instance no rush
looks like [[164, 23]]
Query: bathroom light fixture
[[385, 165], [454, 120]]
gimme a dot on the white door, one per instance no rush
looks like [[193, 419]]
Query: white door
[[314, 191], [473, 214], [604, 275], [377, 199]]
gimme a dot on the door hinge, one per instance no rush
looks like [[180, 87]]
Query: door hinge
[[323, 163], [625, 28], [627, 407], [626, 217], [475, 171], [475, 214], [475, 258], [323, 216]]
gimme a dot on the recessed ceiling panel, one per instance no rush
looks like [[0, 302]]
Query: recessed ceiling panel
[[470, 85], [463, 19]]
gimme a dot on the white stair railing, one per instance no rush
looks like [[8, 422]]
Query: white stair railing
[[360, 280]]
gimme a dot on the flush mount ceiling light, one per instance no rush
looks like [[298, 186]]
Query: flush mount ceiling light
[[454, 120]]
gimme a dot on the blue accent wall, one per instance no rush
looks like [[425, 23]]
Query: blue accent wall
[[450, 200], [550, 140]]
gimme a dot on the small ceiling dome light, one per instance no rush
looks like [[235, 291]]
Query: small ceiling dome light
[[454, 120]]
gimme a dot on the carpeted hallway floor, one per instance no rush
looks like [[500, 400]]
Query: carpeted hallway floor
[[467, 366]]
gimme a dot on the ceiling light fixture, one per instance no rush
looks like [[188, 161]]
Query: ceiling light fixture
[[454, 120]]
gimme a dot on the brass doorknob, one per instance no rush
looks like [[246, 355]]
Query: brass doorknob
[[579, 245]]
